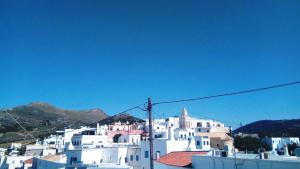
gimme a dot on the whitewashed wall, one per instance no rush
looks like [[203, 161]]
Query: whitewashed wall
[[206, 162]]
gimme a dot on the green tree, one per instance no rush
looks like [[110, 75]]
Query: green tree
[[247, 143]]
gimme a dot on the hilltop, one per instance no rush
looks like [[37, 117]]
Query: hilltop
[[41, 119], [122, 117], [275, 128]]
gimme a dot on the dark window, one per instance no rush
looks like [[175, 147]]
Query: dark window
[[146, 154], [207, 124], [73, 159], [137, 158], [199, 124], [198, 143], [131, 157]]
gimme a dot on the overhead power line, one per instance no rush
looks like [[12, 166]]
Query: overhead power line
[[227, 94], [23, 128], [133, 108]]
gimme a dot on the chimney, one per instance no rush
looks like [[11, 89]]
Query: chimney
[[98, 129], [286, 151]]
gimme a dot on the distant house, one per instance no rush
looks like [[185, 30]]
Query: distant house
[[219, 140], [2, 151], [278, 143]]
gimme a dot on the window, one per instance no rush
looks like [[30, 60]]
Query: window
[[193, 134], [131, 157], [199, 124], [73, 159], [126, 161], [207, 143], [198, 143], [190, 134], [203, 142], [146, 154], [207, 124], [137, 158]]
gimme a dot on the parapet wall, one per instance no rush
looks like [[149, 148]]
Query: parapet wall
[[207, 162]]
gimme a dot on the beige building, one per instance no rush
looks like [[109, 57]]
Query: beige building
[[218, 139]]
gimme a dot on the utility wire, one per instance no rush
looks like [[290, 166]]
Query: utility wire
[[228, 94], [11, 116], [132, 108]]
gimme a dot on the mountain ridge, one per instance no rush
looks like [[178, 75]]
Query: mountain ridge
[[37, 117], [274, 128]]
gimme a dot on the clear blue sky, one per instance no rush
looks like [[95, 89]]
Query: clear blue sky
[[114, 54]]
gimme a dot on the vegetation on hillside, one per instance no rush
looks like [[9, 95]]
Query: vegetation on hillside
[[272, 128], [42, 119]]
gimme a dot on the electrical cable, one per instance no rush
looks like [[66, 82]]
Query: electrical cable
[[227, 94]]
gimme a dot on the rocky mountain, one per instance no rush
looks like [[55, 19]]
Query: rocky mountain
[[41, 119], [276, 128]]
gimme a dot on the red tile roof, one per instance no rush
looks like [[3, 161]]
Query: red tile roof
[[180, 158], [29, 161]]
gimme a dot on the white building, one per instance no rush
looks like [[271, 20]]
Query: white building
[[169, 139], [88, 140], [114, 154], [278, 143], [12, 162], [244, 161], [130, 139], [2, 151]]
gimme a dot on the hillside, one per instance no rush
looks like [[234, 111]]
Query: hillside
[[274, 128], [41, 119]]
